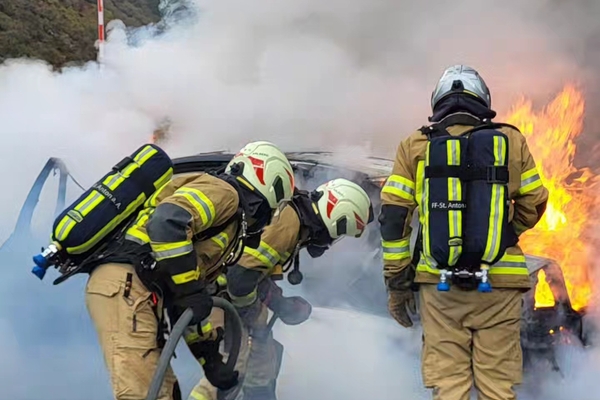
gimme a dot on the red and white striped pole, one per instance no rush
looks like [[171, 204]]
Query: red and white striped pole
[[100, 30]]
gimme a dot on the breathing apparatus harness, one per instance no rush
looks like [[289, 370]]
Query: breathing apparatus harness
[[313, 235]]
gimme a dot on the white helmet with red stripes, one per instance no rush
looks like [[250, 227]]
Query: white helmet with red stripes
[[266, 169], [345, 208]]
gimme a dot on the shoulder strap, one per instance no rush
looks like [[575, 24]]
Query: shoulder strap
[[489, 125], [215, 230], [440, 128]]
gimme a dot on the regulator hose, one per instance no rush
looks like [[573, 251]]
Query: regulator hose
[[164, 361]]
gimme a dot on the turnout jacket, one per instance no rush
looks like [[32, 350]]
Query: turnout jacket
[[402, 192], [280, 241], [173, 223]]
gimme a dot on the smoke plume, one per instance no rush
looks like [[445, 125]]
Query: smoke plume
[[351, 76]]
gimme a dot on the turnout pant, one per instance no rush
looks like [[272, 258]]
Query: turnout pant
[[471, 338], [127, 330], [258, 362]]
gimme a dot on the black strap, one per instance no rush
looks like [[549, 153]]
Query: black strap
[[441, 128], [215, 230], [489, 125], [122, 164], [435, 130], [491, 174], [462, 119]]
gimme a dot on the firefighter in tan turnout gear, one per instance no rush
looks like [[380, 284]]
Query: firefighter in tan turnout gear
[[313, 221], [177, 245], [477, 189]]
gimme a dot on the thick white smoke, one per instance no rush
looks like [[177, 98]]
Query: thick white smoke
[[347, 75]]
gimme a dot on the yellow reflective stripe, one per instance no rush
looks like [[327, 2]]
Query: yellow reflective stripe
[[108, 227], [265, 254], [221, 239], [136, 236], [162, 251], [400, 186], [454, 194], [222, 280], [424, 207], [186, 277], [64, 227], [151, 202], [395, 249], [508, 271], [84, 207], [205, 326], [494, 234], [196, 395], [510, 264], [530, 180], [192, 336], [113, 181], [164, 179], [200, 202], [422, 266], [244, 301]]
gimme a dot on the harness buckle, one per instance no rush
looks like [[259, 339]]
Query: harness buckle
[[497, 174]]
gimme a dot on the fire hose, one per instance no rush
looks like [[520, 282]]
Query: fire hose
[[177, 332]]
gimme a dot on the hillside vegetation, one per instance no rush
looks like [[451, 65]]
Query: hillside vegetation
[[63, 31]]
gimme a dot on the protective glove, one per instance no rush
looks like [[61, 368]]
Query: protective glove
[[400, 302], [401, 299], [215, 370], [291, 310], [200, 303]]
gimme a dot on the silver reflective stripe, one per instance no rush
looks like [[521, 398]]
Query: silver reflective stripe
[[205, 206], [221, 240], [401, 187], [454, 182], [510, 264], [159, 255], [142, 154], [499, 155], [134, 239], [396, 250], [529, 180], [268, 255], [84, 207]]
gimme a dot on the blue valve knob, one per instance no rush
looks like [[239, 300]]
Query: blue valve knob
[[484, 287], [40, 261], [443, 287], [41, 265], [39, 272]]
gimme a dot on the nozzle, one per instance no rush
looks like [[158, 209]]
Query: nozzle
[[443, 287]]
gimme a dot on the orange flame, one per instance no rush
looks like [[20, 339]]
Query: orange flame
[[544, 298], [560, 234]]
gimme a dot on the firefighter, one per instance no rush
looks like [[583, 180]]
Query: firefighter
[[176, 246], [313, 221], [477, 190]]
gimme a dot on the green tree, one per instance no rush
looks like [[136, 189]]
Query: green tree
[[63, 31]]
